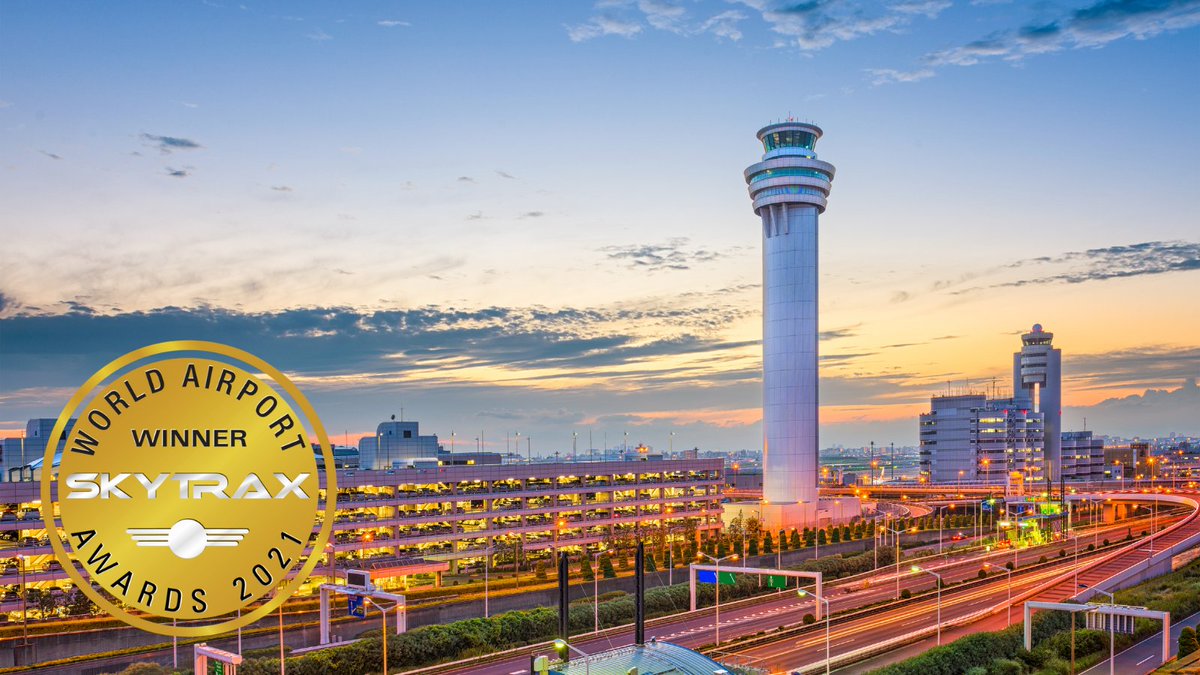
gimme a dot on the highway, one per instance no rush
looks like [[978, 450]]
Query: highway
[[1144, 656], [751, 616]]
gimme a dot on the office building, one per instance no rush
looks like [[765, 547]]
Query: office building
[[789, 189], [1037, 384], [971, 438], [1082, 456]]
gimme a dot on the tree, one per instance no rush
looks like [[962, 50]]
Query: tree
[[539, 570], [794, 540], [606, 567], [42, 601], [585, 567], [1188, 642], [753, 546], [836, 534], [650, 566], [79, 604], [768, 543], [821, 537]]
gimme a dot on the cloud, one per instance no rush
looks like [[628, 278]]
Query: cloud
[[890, 76], [724, 25], [466, 179], [282, 188], [178, 173], [663, 15], [5, 104], [816, 24], [392, 23], [1090, 27], [838, 333], [168, 144], [672, 255], [319, 36], [339, 348], [927, 8], [1112, 262], [900, 296], [51, 155], [505, 174], [1151, 413], [602, 25], [1136, 368], [532, 214]]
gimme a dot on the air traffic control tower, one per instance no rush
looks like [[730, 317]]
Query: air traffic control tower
[[790, 189]]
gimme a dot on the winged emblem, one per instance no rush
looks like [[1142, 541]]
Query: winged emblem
[[187, 538]]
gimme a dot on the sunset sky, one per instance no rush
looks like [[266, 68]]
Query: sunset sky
[[531, 216]]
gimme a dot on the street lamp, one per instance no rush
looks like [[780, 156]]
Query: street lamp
[[897, 533], [717, 562], [1009, 573], [383, 612], [918, 568], [942, 517], [561, 646], [803, 593], [1112, 648], [596, 592]]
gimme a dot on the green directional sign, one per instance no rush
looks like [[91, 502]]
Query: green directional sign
[[727, 579], [777, 581]]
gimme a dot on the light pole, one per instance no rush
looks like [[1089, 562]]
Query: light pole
[[596, 591], [282, 659], [918, 568], [717, 562], [1112, 643], [897, 533], [802, 593], [561, 646], [1009, 573], [487, 562], [942, 517], [383, 613]]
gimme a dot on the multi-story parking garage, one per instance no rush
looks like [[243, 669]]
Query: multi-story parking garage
[[408, 521]]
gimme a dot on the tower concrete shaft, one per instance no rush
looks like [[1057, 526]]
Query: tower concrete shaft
[[789, 188]]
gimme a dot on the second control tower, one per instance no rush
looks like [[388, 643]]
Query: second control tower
[[789, 188]]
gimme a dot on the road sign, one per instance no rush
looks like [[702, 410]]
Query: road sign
[[777, 581], [356, 606], [710, 577], [216, 668]]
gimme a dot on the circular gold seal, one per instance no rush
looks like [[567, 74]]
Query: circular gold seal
[[188, 488]]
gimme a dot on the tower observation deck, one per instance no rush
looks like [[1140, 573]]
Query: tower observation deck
[[790, 189]]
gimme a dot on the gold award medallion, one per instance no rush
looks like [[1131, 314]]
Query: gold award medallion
[[188, 488]]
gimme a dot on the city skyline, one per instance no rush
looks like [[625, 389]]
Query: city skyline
[[563, 242]]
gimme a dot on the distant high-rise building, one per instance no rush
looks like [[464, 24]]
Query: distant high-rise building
[[1082, 456], [1037, 383], [18, 453], [396, 444], [969, 437], [789, 188]]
